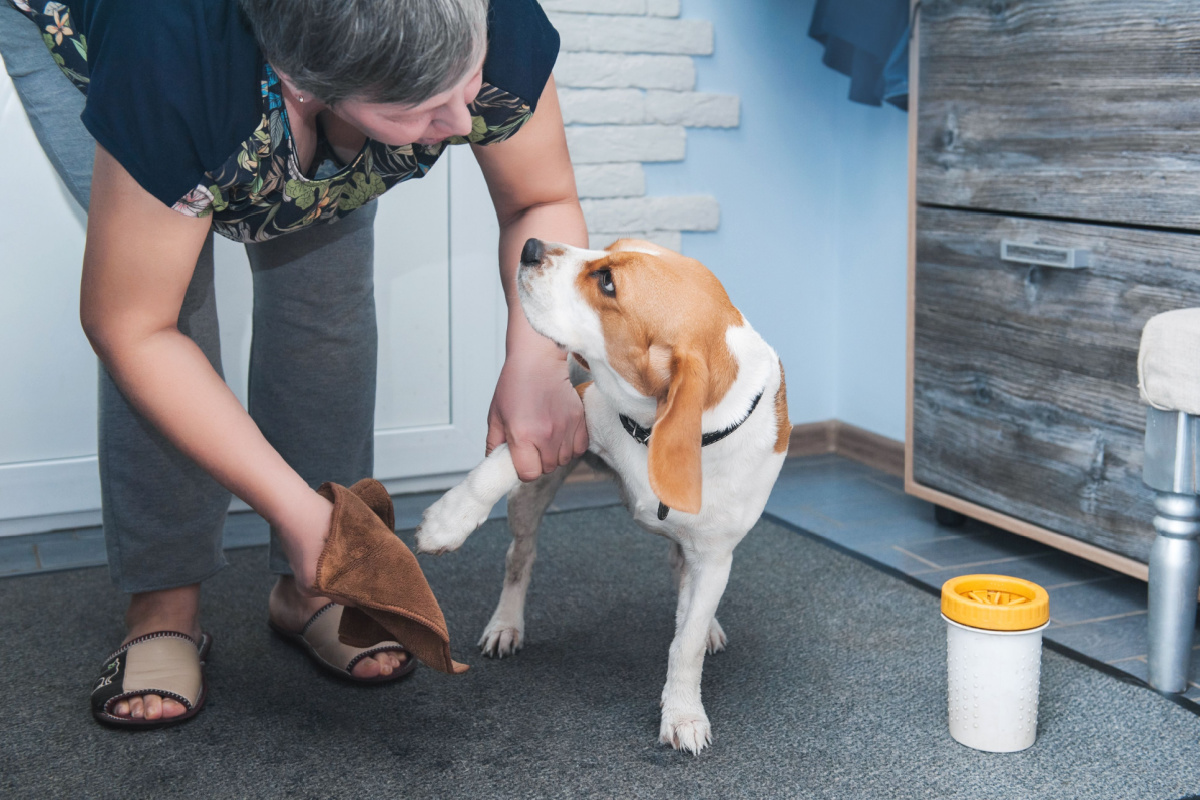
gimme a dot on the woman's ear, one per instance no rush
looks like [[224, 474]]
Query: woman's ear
[[675, 473]]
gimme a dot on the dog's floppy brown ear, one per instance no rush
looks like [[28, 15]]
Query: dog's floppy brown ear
[[675, 474]]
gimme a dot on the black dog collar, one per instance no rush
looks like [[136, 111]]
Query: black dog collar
[[642, 436]]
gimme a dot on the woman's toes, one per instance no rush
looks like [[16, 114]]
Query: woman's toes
[[171, 708], [367, 668], [148, 706], [153, 705]]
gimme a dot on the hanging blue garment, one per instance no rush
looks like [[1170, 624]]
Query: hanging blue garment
[[866, 40]]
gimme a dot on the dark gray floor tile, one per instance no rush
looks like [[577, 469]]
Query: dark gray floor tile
[[1105, 641], [1104, 598], [1047, 570], [896, 530], [17, 556], [67, 551], [1136, 667], [802, 517], [1194, 670], [245, 529], [893, 556], [828, 465], [586, 494], [892, 482], [818, 488], [858, 500], [976, 548]]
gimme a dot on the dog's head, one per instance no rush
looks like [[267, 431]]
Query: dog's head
[[653, 318]]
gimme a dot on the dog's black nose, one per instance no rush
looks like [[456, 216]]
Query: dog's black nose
[[533, 252]]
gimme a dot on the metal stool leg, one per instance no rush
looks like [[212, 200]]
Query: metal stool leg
[[1174, 581]]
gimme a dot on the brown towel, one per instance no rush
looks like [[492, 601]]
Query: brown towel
[[365, 565]]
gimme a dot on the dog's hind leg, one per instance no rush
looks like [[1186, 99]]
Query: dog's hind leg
[[717, 639], [505, 633]]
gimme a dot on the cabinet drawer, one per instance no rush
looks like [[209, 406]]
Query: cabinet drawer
[[1025, 394], [1083, 109]]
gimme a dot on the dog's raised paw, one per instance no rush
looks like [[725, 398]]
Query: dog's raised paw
[[447, 523], [501, 639], [686, 731]]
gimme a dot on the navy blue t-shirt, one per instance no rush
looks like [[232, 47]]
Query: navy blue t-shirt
[[180, 95]]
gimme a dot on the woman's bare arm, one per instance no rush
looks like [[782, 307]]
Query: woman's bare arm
[[138, 262], [532, 186]]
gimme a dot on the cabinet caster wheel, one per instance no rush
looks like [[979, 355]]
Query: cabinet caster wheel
[[948, 518]]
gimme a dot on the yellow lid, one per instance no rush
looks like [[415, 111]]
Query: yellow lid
[[995, 602]]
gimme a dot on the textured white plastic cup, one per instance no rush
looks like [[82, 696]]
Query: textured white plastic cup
[[994, 677]]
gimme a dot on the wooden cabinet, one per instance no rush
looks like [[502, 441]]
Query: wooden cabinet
[[1055, 208]]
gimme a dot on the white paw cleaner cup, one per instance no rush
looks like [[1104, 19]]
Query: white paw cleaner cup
[[994, 627]]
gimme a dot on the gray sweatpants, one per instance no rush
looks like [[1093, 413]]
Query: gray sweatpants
[[312, 360]]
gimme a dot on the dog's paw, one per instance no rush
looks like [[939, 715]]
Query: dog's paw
[[685, 729], [447, 523], [717, 639], [502, 638]]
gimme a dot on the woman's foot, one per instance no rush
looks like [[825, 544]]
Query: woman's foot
[[167, 610], [291, 610]]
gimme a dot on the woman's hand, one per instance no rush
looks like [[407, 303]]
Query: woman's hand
[[536, 410]]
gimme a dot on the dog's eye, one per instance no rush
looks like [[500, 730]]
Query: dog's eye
[[605, 281]]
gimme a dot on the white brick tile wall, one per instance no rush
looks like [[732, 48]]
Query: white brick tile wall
[[672, 240], [700, 213], [610, 180], [596, 144], [693, 109], [613, 71], [626, 78], [628, 34], [603, 106], [662, 8], [597, 6]]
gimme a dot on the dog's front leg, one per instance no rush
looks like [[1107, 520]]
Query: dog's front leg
[[456, 514], [684, 724], [716, 639]]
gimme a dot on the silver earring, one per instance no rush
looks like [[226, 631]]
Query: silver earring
[[300, 97]]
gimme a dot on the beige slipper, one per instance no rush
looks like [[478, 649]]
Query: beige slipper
[[319, 639], [165, 663]]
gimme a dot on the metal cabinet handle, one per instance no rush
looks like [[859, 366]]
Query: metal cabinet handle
[[1060, 257]]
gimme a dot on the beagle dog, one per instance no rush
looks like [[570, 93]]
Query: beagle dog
[[685, 404]]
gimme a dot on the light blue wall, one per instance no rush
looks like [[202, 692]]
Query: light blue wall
[[813, 192]]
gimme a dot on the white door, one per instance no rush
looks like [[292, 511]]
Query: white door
[[440, 313]]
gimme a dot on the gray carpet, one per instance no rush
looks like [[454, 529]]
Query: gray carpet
[[833, 687]]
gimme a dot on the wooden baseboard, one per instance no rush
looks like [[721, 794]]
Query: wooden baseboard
[[850, 441]]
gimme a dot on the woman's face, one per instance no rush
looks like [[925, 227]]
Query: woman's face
[[438, 118]]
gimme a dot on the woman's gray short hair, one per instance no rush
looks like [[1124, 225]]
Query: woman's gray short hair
[[383, 51]]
